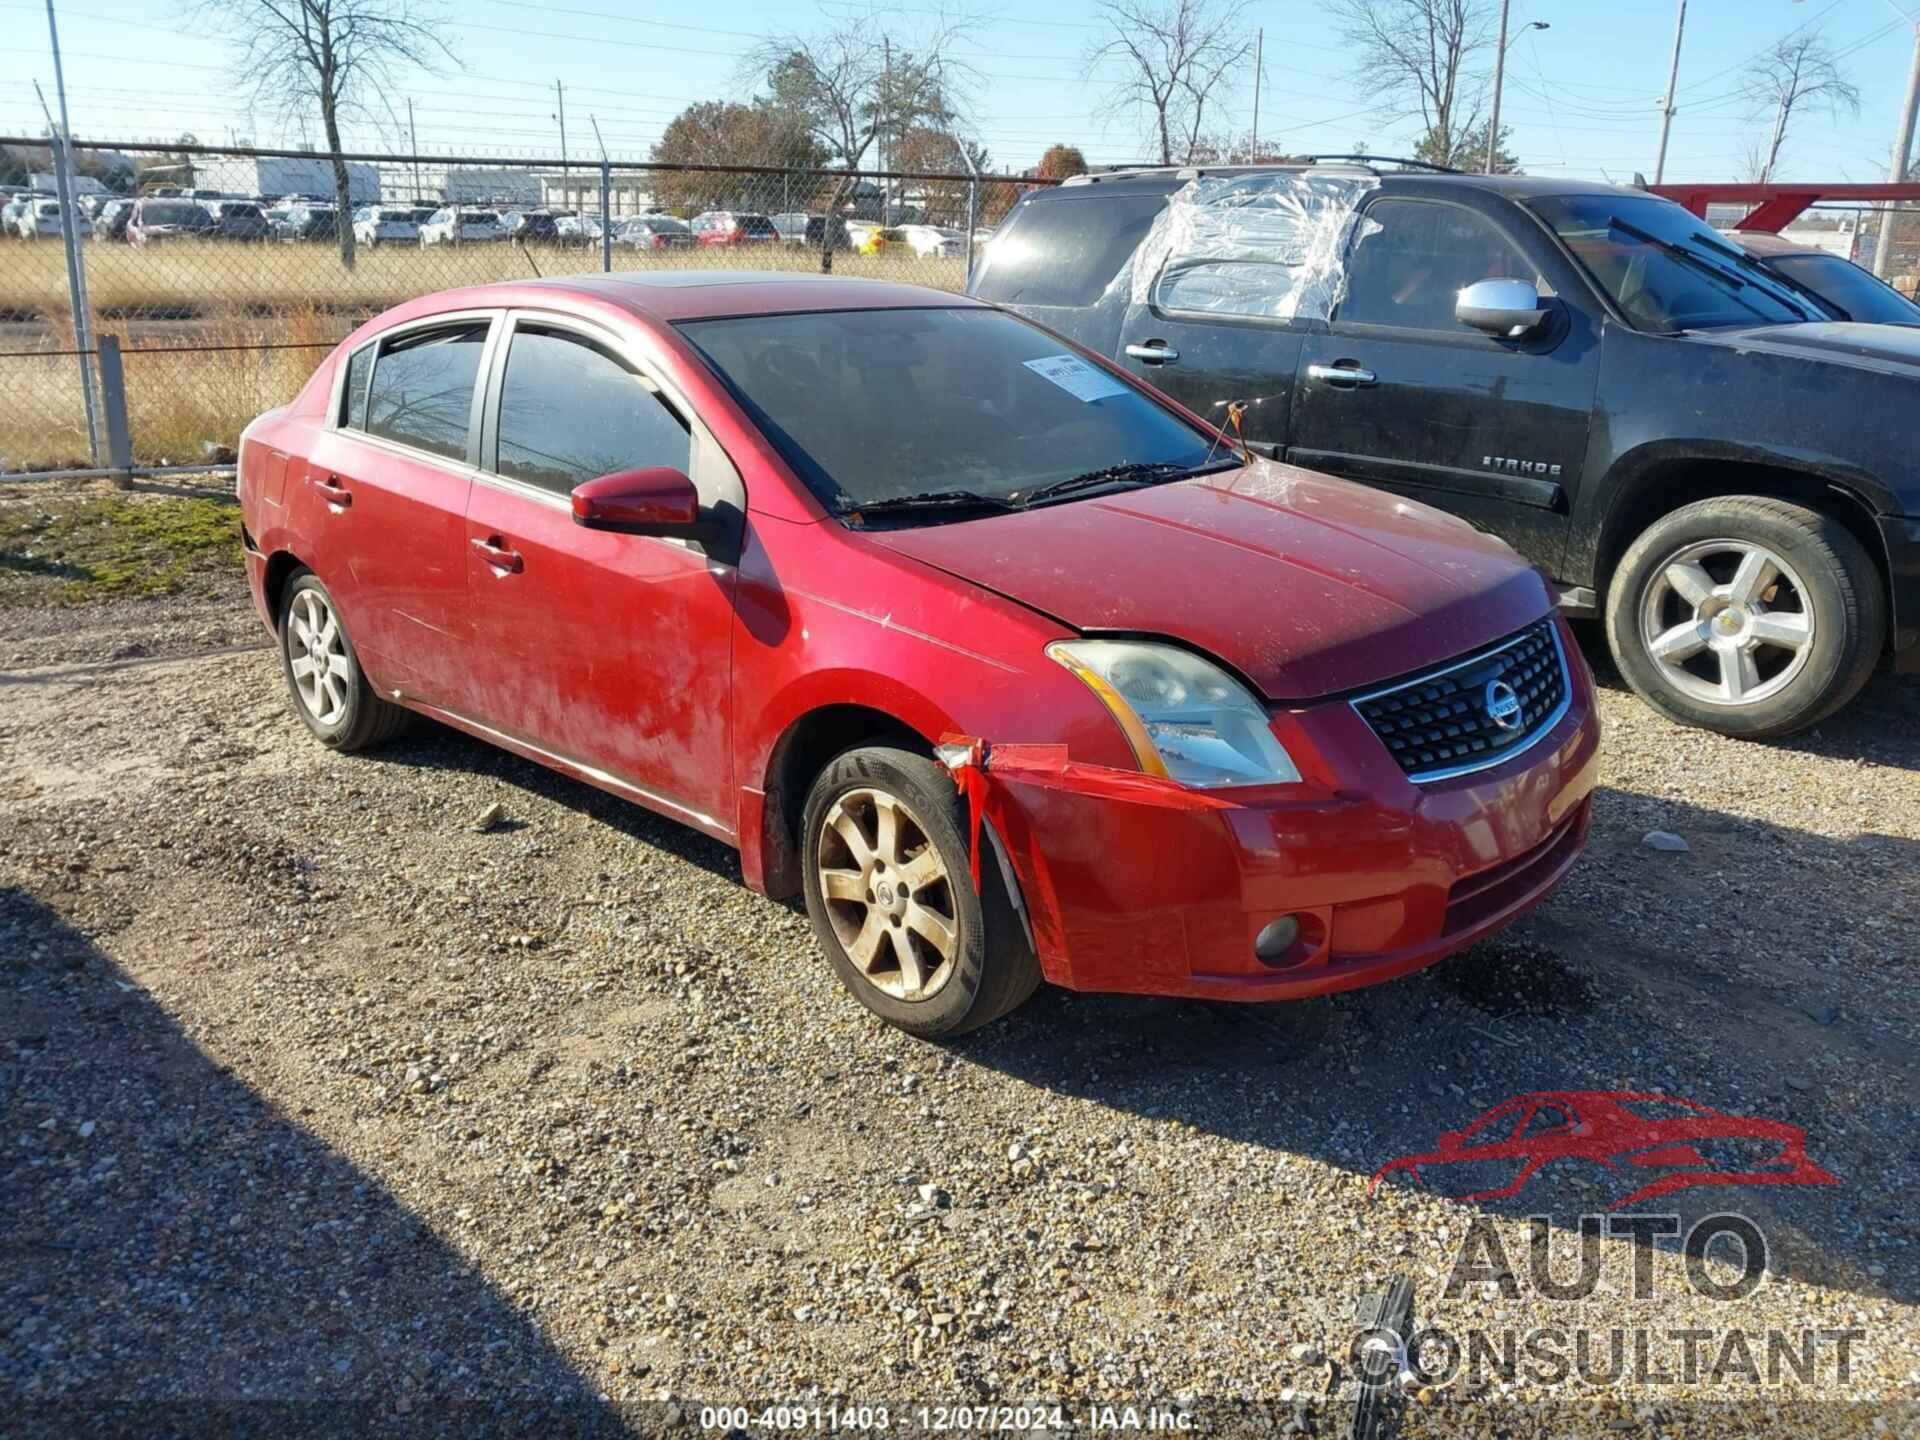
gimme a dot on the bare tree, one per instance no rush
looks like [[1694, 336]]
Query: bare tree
[[856, 82], [330, 55], [1800, 73], [1418, 55], [1177, 55]]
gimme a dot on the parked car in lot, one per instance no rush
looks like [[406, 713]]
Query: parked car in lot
[[934, 241], [1010, 664], [237, 219], [309, 221], [579, 231], [156, 221], [375, 225], [1709, 458], [654, 232], [531, 227], [40, 220], [111, 222], [11, 213], [729, 227], [462, 225], [1849, 289], [792, 225]]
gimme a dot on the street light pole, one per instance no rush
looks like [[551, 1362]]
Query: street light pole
[[1499, 79], [1673, 79], [1902, 149]]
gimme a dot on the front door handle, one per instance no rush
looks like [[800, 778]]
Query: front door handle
[[1344, 373], [495, 552], [1154, 352], [336, 494]]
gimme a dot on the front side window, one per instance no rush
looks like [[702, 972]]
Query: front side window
[[1412, 258], [873, 405], [1665, 269], [422, 389], [571, 412]]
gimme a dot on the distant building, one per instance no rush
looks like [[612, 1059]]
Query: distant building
[[277, 175]]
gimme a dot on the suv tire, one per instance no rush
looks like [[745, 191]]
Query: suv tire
[[884, 860], [1746, 615]]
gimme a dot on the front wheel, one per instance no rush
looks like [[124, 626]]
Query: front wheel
[[892, 902], [1746, 615]]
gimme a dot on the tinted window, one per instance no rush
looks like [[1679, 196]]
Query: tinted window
[[353, 407], [1857, 292], [1065, 251], [571, 412], [422, 391], [1411, 259], [1545, 1119], [872, 404]]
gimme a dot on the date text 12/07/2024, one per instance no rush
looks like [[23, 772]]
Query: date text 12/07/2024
[[943, 1419]]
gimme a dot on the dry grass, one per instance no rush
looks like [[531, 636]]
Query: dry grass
[[168, 302]]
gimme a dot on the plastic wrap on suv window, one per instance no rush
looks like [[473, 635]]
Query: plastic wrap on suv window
[[1267, 245]]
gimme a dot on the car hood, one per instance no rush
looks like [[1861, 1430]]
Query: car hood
[[1887, 348], [1307, 585]]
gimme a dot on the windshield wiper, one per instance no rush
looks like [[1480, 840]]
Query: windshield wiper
[[1778, 277], [929, 500], [1132, 473], [1702, 263]]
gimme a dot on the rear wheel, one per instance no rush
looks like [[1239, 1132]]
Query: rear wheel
[[330, 691], [893, 904], [1746, 615]]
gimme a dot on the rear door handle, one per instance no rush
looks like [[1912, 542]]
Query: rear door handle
[[1344, 373], [1154, 352], [495, 552], [337, 495]]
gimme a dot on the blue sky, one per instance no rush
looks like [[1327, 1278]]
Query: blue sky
[[1581, 96]]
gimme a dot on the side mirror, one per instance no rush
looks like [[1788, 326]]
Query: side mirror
[[1505, 309], [658, 500]]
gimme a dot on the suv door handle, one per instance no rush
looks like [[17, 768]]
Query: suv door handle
[[1344, 373], [1154, 352], [495, 552], [337, 495]]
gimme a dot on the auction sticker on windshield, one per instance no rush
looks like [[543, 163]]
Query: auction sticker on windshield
[[1076, 377]]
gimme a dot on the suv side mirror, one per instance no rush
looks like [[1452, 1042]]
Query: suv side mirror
[[658, 500], [1505, 309]]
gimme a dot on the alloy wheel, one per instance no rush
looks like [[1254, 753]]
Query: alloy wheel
[[317, 655], [888, 895], [1727, 622]]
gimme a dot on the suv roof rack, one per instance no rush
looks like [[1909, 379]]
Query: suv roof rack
[[1292, 162], [1402, 160]]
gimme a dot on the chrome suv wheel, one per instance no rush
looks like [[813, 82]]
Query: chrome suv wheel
[[1727, 622]]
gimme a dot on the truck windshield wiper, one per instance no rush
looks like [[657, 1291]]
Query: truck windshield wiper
[[929, 500], [1702, 263], [1132, 473]]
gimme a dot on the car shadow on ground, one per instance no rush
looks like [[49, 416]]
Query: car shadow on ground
[[1597, 991], [180, 1256]]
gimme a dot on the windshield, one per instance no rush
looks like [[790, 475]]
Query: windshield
[[1675, 273], [871, 405], [1840, 282]]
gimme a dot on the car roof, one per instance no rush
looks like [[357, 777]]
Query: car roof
[[672, 295], [1159, 179], [1773, 246]]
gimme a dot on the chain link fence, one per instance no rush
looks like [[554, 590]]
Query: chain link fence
[[213, 280]]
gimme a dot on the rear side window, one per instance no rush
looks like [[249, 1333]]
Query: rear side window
[[422, 390], [571, 412], [1066, 251], [353, 404]]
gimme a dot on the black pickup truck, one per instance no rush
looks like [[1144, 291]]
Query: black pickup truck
[[1716, 460]]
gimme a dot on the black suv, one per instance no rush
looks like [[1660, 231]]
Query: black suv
[[1692, 445]]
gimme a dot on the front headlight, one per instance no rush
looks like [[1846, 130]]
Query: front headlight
[[1186, 718]]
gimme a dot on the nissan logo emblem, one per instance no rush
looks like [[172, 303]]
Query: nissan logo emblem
[[1503, 706]]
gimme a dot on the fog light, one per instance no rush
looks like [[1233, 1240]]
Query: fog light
[[1273, 942]]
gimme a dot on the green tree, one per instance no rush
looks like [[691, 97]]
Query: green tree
[[724, 132]]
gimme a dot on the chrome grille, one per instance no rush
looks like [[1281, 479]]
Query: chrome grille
[[1473, 713]]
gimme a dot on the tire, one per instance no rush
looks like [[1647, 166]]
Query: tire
[[988, 968], [344, 712], [1789, 629]]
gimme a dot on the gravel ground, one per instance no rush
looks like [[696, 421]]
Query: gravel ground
[[314, 1096]]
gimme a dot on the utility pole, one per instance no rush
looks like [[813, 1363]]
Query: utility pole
[[1902, 149], [413, 143], [1673, 80], [76, 261], [560, 95], [886, 109], [1499, 79], [1253, 136]]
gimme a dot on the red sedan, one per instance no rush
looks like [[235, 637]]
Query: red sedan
[[1015, 667]]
